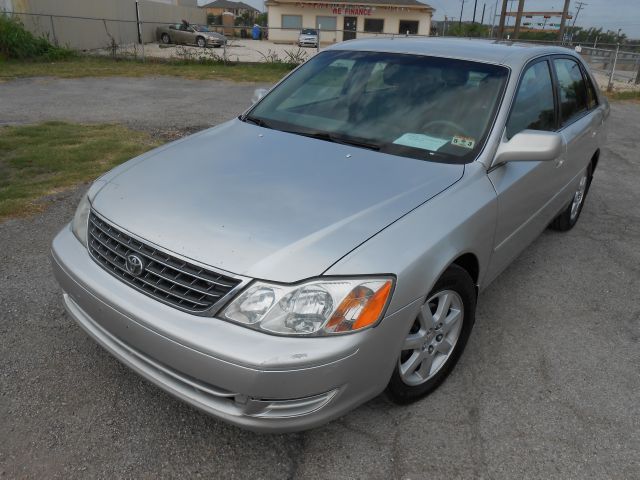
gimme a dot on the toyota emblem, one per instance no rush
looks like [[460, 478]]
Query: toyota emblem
[[134, 265]]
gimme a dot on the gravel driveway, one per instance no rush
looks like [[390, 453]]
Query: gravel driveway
[[548, 386]]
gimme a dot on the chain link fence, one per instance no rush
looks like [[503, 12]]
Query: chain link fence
[[615, 66]]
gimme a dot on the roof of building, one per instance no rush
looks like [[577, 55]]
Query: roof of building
[[511, 54], [229, 4]]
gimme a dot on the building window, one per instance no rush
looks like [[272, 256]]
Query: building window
[[410, 26], [292, 21], [374, 25], [327, 23]]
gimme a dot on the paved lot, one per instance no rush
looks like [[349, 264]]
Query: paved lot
[[547, 388]]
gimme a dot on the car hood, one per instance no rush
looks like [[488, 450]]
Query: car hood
[[264, 203]]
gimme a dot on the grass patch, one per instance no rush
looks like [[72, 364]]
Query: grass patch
[[39, 160], [625, 95], [108, 67]]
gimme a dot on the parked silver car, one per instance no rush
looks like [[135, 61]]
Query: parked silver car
[[184, 33], [284, 267], [308, 37]]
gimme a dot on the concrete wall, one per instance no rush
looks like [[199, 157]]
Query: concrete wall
[[309, 15], [102, 20]]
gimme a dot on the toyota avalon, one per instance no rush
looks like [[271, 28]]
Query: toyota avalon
[[329, 244]]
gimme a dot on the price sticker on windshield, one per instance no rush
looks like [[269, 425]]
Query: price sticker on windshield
[[465, 142]]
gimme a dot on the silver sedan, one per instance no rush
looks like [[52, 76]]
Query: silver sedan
[[330, 243]]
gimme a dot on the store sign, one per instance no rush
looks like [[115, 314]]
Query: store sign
[[340, 9]]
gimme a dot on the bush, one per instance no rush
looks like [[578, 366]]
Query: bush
[[18, 43]]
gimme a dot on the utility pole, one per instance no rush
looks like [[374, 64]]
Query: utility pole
[[503, 15], [461, 10], [475, 5], [516, 29], [484, 5], [493, 18], [580, 6], [563, 21]]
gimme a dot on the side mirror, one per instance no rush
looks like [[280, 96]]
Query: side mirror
[[530, 146], [258, 93]]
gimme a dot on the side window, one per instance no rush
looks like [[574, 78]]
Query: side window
[[292, 21], [572, 89], [534, 107]]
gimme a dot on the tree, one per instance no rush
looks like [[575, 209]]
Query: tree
[[468, 30]]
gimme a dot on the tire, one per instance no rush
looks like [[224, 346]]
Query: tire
[[165, 39], [201, 42], [568, 218], [456, 292]]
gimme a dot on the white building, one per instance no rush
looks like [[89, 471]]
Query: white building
[[345, 20]]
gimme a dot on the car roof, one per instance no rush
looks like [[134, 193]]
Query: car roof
[[507, 53]]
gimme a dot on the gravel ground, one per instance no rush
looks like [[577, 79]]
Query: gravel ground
[[148, 103], [547, 388], [237, 50]]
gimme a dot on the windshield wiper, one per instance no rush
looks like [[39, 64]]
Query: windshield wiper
[[336, 139], [256, 121]]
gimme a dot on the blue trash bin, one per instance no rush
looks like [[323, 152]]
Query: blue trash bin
[[256, 32]]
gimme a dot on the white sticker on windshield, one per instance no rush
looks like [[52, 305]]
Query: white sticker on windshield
[[466, 142], [419, 140]]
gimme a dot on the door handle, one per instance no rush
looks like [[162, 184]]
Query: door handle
[[559, 162]]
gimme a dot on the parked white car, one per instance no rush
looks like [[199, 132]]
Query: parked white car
[[308, 37]]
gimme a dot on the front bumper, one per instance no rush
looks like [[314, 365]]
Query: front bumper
[[245, 377]]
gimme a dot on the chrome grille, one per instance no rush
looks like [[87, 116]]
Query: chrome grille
[[164, 277]]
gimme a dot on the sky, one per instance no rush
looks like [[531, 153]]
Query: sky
[[609, 14]]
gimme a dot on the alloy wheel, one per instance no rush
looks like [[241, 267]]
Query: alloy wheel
[[578, 197], [432, 338]]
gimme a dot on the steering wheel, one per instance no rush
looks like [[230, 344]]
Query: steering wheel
[[457, 129]]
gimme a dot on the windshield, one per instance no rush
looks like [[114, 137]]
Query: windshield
[[308, 31], [429, 108]]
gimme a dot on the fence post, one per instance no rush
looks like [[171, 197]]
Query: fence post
[[318, 44], [613, 69], [53, 31], [638, 71]]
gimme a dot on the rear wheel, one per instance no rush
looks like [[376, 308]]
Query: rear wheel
[[567, 219], [436, 338], [201, 42], [165, 38]]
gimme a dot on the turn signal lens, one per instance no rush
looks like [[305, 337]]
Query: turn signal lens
[[361, 308]]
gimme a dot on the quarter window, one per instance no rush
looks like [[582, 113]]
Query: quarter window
[[374, 25], [292, 21], [572, 89], [534, 106]]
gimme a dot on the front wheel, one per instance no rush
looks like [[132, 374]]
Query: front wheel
[[201, 42], [436, 338]]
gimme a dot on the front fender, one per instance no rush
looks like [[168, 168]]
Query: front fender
[[420, 246]]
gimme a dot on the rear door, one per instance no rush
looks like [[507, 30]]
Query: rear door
[[526, 190], [580, 117]]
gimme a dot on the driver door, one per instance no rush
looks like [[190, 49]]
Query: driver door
[[527, 191]]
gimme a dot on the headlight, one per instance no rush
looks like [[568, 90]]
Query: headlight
[[317, 307], [80, 220]]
